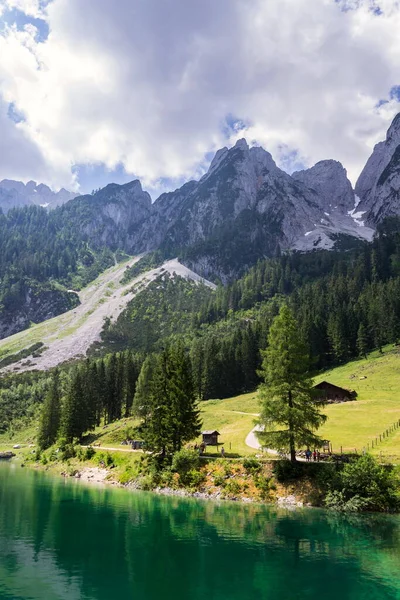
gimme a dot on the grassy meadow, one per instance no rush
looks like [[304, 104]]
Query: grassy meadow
[[350, 425]]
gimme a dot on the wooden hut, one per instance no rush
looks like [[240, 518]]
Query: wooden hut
[[210, 438], [333, 393]]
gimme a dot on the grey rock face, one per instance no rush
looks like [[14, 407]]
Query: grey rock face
[[16, 193], [378, 186], [328, 178], [242, 209], [244, 188], [112, 215], [39, 305]]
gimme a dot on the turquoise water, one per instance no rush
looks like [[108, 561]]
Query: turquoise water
[[61, 539]]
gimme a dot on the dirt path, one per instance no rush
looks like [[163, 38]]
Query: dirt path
[[252, 442], [126, 449], [71, 334]]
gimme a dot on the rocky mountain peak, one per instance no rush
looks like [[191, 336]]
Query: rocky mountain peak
[[393, 133], [328, 178], [16, 193], [378, 186]]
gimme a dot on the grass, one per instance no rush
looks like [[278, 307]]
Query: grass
[[233, 418], [350, 425], [353, 425]]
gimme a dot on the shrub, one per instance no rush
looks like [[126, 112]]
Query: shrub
[[233, 487], [263, 484], [185, 461], [104, 459], [68, 451], [365, 485], [251, 465], [336, 500], [126, 476], [89, 453], [146, 483], [285, 470], [195, 478], [219, 480]]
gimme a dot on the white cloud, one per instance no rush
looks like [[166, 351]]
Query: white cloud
[[32, 8], [149, 84]]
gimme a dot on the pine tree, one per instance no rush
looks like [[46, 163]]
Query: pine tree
[[130, 380], [184, 415], [73, 421], [172, 415], [290, 414], [142, 400], [362, 341], [51, 415]]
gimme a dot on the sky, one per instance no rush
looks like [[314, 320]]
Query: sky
[[98, 91]]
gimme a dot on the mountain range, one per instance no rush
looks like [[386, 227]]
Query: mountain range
[[245, 208], [16, 194]]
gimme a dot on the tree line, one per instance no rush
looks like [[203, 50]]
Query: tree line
[[159, 391]]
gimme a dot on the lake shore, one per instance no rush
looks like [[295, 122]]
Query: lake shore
[[217, 486]]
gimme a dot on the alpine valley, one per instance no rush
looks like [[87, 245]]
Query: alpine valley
[[242, 210]]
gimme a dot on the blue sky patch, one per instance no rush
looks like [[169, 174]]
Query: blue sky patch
[[20, 19]]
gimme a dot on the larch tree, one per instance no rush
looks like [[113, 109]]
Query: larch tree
[[290, 412]]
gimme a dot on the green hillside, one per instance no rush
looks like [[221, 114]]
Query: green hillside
[[351, 425]]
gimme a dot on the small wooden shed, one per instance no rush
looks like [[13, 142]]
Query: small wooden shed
[[333, 393], [210, 438]]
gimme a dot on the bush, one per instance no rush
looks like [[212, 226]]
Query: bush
[[195, 478], [183, 462], [219, 480], [126, 476], [104, 459], [233, 487], [336, 500], [365, 485], [285, 470], [251, 465], [68, 451], [263, 484], [89, 453], [146, 483]]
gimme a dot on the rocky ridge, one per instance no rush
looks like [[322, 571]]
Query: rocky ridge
[[378, 187], [16, 194], [244, 208]]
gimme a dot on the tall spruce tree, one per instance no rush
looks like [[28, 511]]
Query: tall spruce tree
[[362, 341], [51, 414], [172, 415], [290, 413], [73, 421], [142, 402]]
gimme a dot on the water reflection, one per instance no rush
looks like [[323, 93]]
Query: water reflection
[[61, 539]]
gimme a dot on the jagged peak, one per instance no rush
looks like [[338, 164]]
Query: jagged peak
[[219, 155], [394, 129], [242, 144], [323, 165]]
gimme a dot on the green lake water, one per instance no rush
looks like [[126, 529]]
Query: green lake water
[[61, 539]]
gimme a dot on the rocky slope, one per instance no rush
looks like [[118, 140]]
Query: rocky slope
[[15, 193], [378, 187], [41, 303], [113, 216]]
